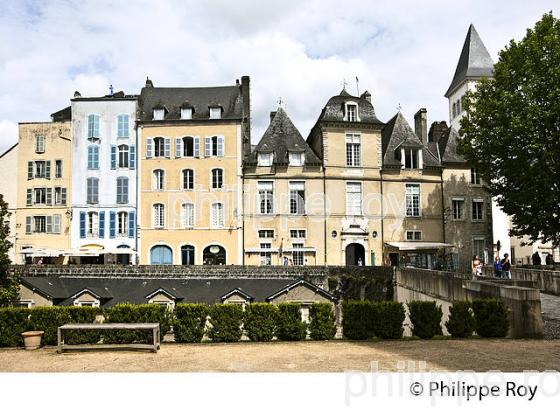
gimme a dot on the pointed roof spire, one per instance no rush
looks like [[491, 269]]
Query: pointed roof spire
[[474, 62]]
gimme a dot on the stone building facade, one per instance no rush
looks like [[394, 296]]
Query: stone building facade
[[9, 184]]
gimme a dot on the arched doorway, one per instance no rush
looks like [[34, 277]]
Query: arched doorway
[[187, 255], [123, 258], [214, 255], [161, 255], [355, 255]]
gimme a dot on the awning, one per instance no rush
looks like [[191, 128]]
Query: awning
[[418, 246], [45, 252], [277, 250]]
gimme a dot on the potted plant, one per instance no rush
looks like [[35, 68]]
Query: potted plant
[[32, 339]]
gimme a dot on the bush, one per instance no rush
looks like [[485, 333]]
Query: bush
[[491, 317], [226, 320], [358, 319], [461, 322], [190, 322], [129, 313], [260, 321], [290, 325], [388, 320], [425, 318], [13, 322], [323, 323]]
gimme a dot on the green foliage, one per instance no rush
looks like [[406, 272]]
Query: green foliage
[[322, 325], [49, 318], [129, 313], [189, 322], [511, 131], [260, 321], [9, 286], [389, 321], [290, 325], [461, 321], [491, 317], [13, 321], [425, 318], [225, 320], [363, 320]]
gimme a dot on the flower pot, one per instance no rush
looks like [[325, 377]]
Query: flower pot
[[32, 339]]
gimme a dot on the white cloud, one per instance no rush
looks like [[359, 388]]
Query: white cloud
[[8, 134], [402, 51]]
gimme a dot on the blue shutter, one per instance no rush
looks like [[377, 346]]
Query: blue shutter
[[131, 224], [167, 147], [220, 146], [102, 224], [207, 146], [132, 157], [111, 224], [196, 147], [178, 147], [149, 145], [113, 157], [82, 224]]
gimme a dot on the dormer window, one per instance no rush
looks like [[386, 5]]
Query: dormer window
[[159, 114], [351, 112], [411, 158], [186, 113], [297, 159], [265, 159], [215, 113]]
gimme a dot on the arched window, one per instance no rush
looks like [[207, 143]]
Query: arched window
[[214, 255], [159, 216], [159, 147], [217, 178], [188, 179], [188, 215], [161, 255], [158, 180], [93, 157], [123, 156], [188, 147]]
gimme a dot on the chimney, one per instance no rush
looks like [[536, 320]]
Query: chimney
[[272, 114], [366, 96], [237, 81], [421, 125], [149, 83], [246, 126], [437, 129], [77, 94]]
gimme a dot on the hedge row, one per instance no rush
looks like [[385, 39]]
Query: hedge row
[[486, 317], [362, 319]]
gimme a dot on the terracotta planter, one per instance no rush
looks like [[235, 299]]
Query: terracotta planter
[[32, 339]]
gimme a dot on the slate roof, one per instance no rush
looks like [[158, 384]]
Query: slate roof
[[62, 115], [135, 290], [334, 110], [199, 98], [281, 137], [474, 62], [448, 148]]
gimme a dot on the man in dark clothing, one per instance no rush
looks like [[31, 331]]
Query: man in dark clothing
[[549, 259], [536, 259], [506, 267]]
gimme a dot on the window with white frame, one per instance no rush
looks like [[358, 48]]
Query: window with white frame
[[159, 147], [39, 224], [265, 159], [188, 147], [214, 146], [477, 209], [217, 215], [40, 196], [297, 197], [353, 198], [88, 303], [186, 113], [60, 196], [412, 200], [39, 144], [122, 126], [413, 235], [298, 233], [411, 158], [353, 150], [297, 255], [159, 114], [92, 225], [122, 223], [158, 179], [188, 215], [122, 190], [58, 168], [93, 157], [123, 156], [92, 189], [296, 159], [479, 247], [159, 216], [266, 233], [266, 254], [351, 112], [215, 113], [188, 179], [217, 178], [93, 126], [41, 169], [475, 178], [266, 197], [458, 205]]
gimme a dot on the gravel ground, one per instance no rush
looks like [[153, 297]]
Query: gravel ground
[[333, 356], [551, 315]]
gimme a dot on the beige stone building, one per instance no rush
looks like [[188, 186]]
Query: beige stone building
[[8, 190], [191, 143], [44, 189]]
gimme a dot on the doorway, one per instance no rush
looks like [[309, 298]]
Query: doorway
[[214, 255], [355, 255], [187, 255]]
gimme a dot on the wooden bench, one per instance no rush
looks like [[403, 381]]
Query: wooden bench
[[154, 327]]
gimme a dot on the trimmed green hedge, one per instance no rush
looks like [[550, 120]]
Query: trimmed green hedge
[[461, 321], [425, 318], [363, 319], [190, 322], [130, 313], [491, 317], [322, 324], [13, 322], [225, 321], [260, 321], [290, 325], [390, 318]]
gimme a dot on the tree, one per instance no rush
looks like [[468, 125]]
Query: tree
[[511, 132], [9, 287]]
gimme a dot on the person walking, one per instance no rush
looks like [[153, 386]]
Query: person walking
[[506, 267], [497, 267], [476, 267], [536, 258]]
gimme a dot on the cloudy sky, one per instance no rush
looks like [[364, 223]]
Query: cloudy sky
[[403, 52]]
